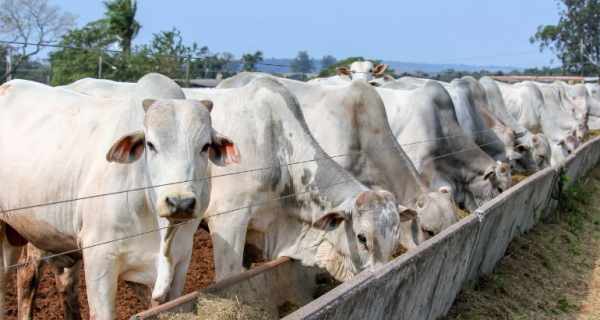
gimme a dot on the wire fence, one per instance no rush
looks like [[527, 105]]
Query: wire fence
[[188, 72], [67, 67]]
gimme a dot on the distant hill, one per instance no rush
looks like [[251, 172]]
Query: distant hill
[[398, 66]]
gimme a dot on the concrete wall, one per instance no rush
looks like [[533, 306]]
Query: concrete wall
[[423, 283]]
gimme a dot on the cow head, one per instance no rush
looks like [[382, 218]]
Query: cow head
[[364, 70], [486, 185], [361, 234], [535, 153], [436, 212], [563, 148], [177, 140]]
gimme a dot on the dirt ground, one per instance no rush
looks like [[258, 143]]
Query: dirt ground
[[48, 305], [551, 272]]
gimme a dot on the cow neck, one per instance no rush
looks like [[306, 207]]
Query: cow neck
[[498, 108]]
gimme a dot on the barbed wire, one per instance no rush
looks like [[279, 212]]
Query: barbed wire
[[352, 178], [262, 168]]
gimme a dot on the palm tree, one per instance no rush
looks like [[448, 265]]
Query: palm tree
[[251, 60], [121, 21]]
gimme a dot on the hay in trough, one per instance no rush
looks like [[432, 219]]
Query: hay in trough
[[325, 283], [287, 307], [209, 307], [594, 133], [462, 213], [399, 251], [520, 176]]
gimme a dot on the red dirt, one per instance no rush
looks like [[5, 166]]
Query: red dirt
[[48, 305]]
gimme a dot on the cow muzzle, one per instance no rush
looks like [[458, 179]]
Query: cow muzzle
[[179, 206]]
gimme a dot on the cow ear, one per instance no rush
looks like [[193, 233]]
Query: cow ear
[[489, 173], [503, 169], [561, 142], [208, 104], [331, 220], [128, 149], [512, 155], [406, 214], [387, 78], [343, 71], [147, 103], [223, 152], [522, 148], [380, 68]]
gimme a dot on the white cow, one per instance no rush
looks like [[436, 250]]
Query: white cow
[[362, 70], [594, 104], [534, 148], [423, 120], [351, 121], [526, 103], [574, 99], [467, 107], [300, 206], [101, 88], [91, 146]]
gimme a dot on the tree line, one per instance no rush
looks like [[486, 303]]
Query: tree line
[[574, 40]]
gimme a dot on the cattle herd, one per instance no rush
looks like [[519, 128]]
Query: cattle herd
[[334, 172]]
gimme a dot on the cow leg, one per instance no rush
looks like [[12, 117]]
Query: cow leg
[[29, 277], [67, 281], [9, 256], [101, 279], [228, 237]]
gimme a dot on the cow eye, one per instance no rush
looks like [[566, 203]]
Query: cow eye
[[500, 190], [362, 239], [151, 146], [569, 151], [205, 148], [430, 233]]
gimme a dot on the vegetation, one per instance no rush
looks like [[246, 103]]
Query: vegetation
[[576, 34], [30, 21], [121, 21]]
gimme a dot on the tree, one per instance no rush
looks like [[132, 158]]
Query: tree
[[69, 65], [327, 61], [251, 60], [302, 63], [579, 22], [31, 21], [121, 21]]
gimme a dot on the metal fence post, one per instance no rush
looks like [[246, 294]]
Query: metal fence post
[[9, 64], [187, 72], [100, 67]]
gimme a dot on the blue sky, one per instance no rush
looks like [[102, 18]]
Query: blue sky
[[453, 31]]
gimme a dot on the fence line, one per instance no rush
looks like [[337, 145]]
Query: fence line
[[257, 169], [237, 209], [248, 62]]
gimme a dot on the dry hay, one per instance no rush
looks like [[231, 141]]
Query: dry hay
[[520, 176], [399, 251], [209, 307], [551, 272], [594, 133], [287, 307], [325, 283], [461, 212]]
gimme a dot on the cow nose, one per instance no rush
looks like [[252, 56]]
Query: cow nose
[[182, 204]]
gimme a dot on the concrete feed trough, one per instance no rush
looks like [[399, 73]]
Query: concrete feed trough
[[422, 283]]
